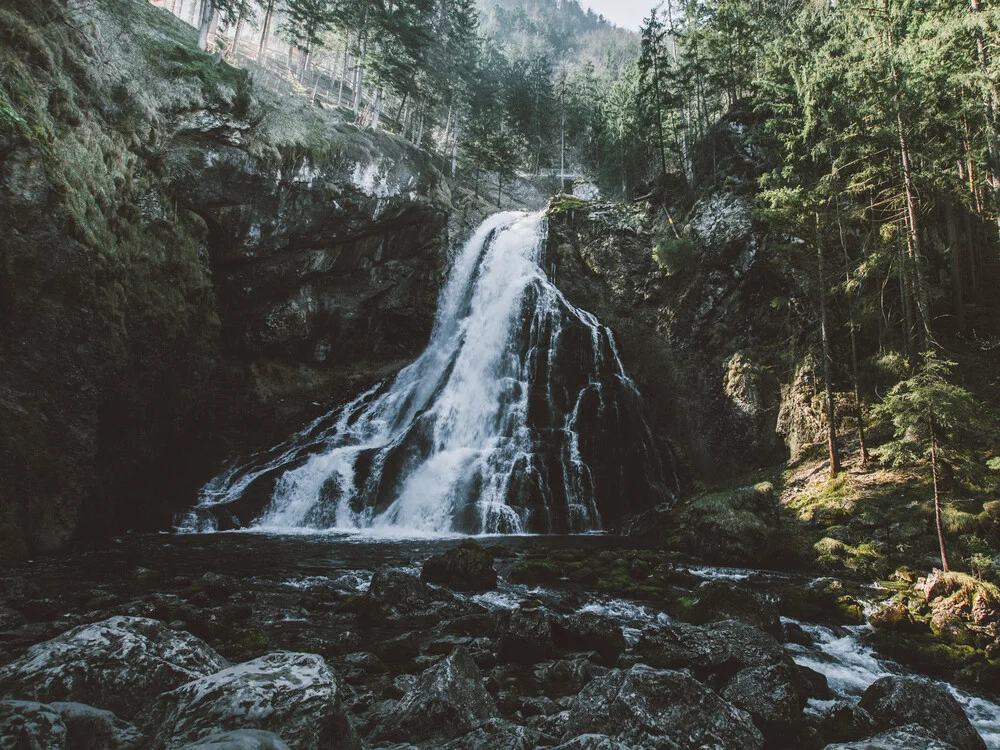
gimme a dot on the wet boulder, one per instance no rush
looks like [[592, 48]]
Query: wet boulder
[[715, 651], [90, 728], [120, 664], [447, 701], [586, 631], [593, 742], [400, 592], [772, 695], [658, 708], [467, 567], [32, 726], [896, 701], [565, 676], [524, 635], [814, 684], [722, 600], [291, 694], [842, 721], [908, 737], [239, 739], [496, 734]]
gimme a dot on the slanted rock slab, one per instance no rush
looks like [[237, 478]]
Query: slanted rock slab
[[120, 664], [291, 694]]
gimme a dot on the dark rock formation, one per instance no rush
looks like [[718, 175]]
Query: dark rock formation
[[772, 695], [447, 701], [292, 695], [712, 652], [589, 632], [121, 664], [721, 600], [185, 272], [524, 635], [895, 701], [654, 708], [467, 567], [697, 338]]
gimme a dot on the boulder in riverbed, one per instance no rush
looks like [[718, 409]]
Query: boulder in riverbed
[[908, 737], [896, 701], [239, 739], [467, 567], [524, 635], [772, 695], [120, 664], [31, 725], [291, 694], [660, 709], [447, 701], [586, 631]]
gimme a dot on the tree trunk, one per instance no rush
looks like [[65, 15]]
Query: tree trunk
[[207, 11], [343, 71], [955, 255], [265, 33], [239, 29], [937, 500], [377, 116], [859, 410], [831, 429]]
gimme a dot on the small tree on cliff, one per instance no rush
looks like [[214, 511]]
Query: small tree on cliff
[[929, 414]]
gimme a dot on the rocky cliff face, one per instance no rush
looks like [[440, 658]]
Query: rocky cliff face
[[705, 331], [183, 267]]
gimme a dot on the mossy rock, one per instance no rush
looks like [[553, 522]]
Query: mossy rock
[[535, 572]]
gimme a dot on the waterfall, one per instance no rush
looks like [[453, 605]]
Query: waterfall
[[518, 417]]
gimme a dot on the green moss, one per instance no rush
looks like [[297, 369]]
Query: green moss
[[535, 572], [565, 204]]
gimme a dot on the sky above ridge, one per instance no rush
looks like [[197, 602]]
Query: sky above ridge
[[625, 13]]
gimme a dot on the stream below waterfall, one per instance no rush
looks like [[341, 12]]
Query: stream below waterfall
[[283, 573]]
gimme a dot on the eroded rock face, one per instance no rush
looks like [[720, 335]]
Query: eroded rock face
[[293, 695], [698, 341], [447, 701], [655, 708], [120, 664], [895, 701]]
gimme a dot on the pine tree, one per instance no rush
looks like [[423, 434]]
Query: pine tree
[[929, 414]]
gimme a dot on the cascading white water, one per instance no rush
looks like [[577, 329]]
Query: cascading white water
[[496, 428]]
